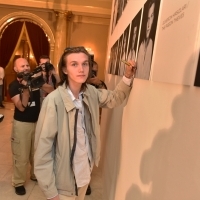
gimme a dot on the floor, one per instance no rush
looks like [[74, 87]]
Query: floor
[[33, 192]]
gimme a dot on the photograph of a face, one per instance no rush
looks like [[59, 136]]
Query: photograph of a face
[[113, 58], [123, 51], [133, 39], [119, 6], [147, 38]]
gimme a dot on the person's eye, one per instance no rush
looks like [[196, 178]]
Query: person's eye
[[74, 64], [85, 64]]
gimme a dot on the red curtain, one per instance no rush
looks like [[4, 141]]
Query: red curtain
[[9, 41], [38, 39]]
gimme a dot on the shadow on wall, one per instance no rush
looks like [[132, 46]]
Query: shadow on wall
[[172, 165]]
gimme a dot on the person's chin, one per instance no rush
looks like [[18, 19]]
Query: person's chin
[[81, 80]]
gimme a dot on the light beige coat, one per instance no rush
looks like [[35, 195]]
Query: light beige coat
[[55, 135]]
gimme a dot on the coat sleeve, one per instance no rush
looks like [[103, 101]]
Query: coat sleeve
[[111, 99], [46, 131]]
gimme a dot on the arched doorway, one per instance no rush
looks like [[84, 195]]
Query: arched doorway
[[35, 38]]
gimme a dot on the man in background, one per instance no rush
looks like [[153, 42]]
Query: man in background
[[27, 108], [49, 74], [94, 80], [2, 74]]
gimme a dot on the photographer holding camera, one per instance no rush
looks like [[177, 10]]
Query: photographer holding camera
[[94, 80], [49, 74], [25, 94]]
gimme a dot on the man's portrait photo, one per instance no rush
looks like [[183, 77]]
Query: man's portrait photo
[[118, 7], [113, 58], [123, 54], [133, 40], [119, 50], [147, 38]]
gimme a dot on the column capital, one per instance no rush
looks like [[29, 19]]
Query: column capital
[[59, 13], [69, 15]]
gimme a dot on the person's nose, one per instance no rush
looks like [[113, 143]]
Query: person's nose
[[80, 68], [26, 67]]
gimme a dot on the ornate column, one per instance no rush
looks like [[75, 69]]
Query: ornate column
[[63, 33], [60, 36], [51, 55]]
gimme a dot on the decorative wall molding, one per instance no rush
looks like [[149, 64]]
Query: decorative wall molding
[[87, 10], [91, 20]]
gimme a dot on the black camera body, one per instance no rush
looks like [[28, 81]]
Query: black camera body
[[32, 82]]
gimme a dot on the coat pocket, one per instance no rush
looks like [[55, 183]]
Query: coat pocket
[[15, 146]]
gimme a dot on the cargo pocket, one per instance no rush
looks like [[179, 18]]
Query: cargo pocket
[[15, 145]]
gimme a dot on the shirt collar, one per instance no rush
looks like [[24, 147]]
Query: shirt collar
[[72, 96]]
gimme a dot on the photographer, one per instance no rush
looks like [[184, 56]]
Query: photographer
[[49, 74], [27, 107], [94, 80]]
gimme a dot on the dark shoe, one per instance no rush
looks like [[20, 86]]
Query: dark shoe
[[20, 190], [88, 192], [1, 117], [2, 106], [33, 179]]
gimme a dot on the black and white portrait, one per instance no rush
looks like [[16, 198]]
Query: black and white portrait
[[119, 6], [147, 38], [123, 54], [113, 58], [133, 40], [118, 54]]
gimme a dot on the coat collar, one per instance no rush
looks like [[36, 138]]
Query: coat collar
[[68, 103]]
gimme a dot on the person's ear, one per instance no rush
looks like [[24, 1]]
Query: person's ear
[[64, 69], [15, 69]]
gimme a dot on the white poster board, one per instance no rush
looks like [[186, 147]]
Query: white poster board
[[176, 49]]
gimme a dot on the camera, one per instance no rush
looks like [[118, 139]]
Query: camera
[[48, 67], [32, 82]]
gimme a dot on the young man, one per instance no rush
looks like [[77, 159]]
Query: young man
[[67, 142], [27, 108]]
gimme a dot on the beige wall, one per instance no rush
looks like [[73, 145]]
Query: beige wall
[[154, 152], [93, 36], [150, 147]]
